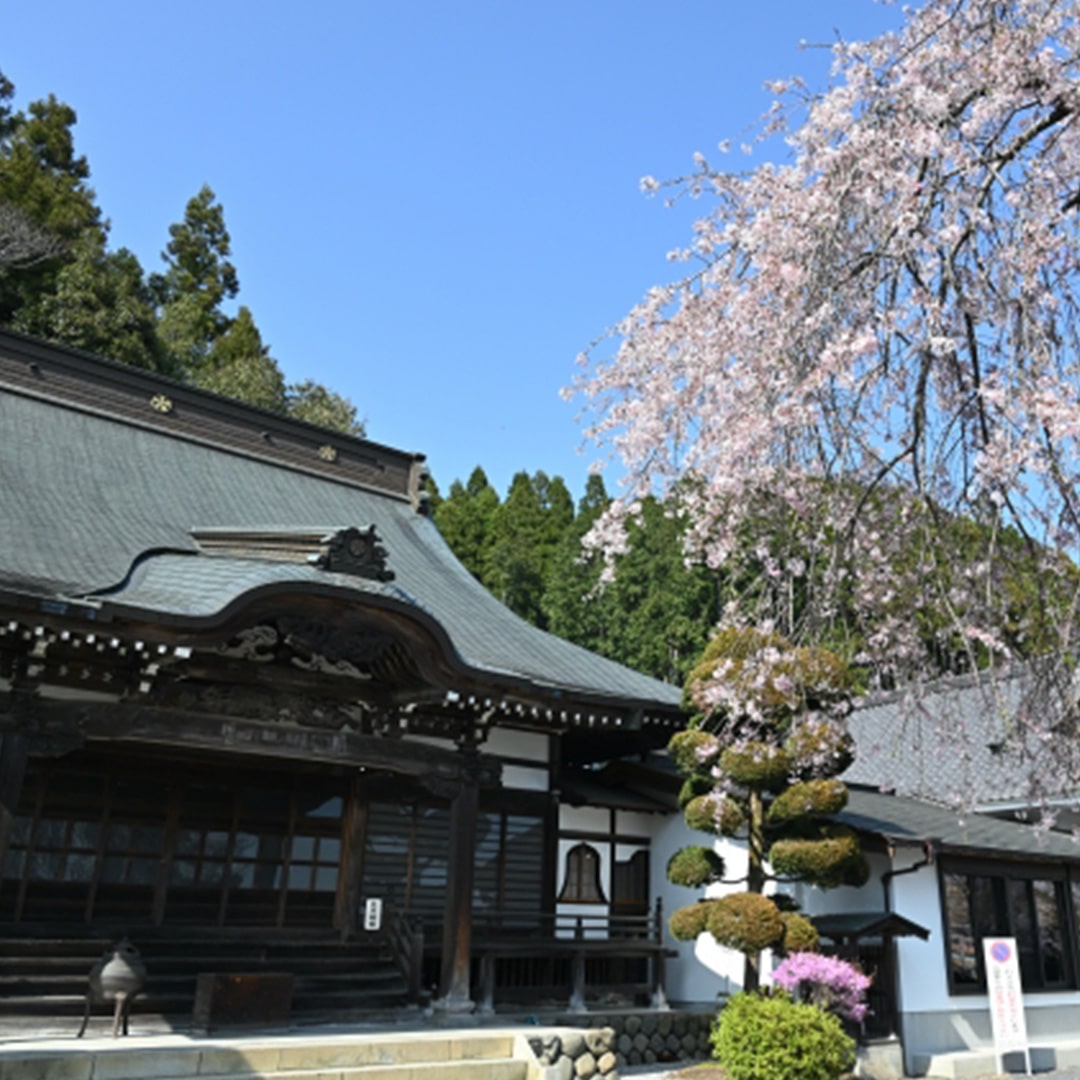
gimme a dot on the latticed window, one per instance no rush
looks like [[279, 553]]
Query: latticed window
[[582, 882]]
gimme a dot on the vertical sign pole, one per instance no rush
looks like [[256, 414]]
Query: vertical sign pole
[[1006, 1000]]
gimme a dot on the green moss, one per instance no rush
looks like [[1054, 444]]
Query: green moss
[[811, 798], [747, 922], [694, 867]]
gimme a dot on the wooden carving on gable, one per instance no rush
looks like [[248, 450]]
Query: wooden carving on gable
[[356, 551]]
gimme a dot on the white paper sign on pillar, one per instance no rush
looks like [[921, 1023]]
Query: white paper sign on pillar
[[1006, 999], [372, 913]]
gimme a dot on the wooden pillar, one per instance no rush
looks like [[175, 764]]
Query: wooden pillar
[[13, 749], [454, 990]]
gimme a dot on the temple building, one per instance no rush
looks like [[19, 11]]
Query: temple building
[[246, 687]]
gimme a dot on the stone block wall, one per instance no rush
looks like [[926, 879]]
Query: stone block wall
[[616, 1039]]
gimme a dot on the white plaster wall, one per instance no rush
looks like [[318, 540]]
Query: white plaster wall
[[634, 823], [583, 819], [507, 742], [523, 778], [924, 986]]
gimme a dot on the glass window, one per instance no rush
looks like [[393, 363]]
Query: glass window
[[1049, 906], [963, 962], [1020, 903]]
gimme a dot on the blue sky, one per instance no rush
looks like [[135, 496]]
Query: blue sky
[[434, 205]]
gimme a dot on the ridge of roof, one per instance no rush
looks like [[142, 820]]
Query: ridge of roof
[[71, 378]]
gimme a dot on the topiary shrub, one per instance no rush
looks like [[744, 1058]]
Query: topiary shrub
[[692, 788], [748, 922], [686, 923], [756, 765], [812, 798], [818, 747], [799, 933], [693, 750], [774, 1038], [714, 814], [856, 872], [694, 866], [740, 655], [825, 862]]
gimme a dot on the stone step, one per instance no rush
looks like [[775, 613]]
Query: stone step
[[416, 1057], [980, 1061]]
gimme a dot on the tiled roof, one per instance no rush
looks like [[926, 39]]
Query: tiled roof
[[98, 506], [954, 741], [912, 821]]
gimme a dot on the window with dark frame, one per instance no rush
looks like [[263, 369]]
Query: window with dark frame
[[582, 882], [1029, 903]]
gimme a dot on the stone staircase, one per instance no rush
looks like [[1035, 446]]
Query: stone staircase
[[43, 979], [406, 1056]]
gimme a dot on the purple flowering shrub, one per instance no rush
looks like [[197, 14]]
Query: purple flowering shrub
[[825, 981]]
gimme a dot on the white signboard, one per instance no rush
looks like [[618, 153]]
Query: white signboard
[[373, 913], [1006, 998]]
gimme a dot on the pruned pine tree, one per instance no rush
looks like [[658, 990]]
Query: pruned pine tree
[[760, 761]]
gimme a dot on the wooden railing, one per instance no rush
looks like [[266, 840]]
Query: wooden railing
[[542, 953]]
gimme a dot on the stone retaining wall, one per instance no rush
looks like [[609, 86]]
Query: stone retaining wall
[[613, 1040]]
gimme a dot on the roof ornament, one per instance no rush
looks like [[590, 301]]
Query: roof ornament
[[354, 551]]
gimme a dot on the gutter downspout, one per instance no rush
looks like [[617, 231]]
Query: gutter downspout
[[929, 851]]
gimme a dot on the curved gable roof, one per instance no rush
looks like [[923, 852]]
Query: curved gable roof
[[102, 492]]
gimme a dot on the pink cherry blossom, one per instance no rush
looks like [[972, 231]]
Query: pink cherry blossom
[[878, 337]]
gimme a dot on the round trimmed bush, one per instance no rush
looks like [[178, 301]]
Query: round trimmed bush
[[756, 765], [747, 922], [819, 747], [694, 866], [799, 933], [714, 814], [811, 798], [686, 923], [758, 1037], [825, 861], [692, 787], [693, 751]]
